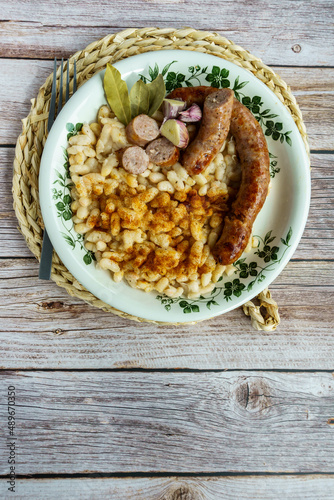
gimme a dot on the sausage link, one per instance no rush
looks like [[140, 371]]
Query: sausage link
[[192, 95], [141, 130], [254, 157], [253, 153], [212, 133]]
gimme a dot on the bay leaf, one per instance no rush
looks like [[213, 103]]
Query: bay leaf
[[117, 94], [157, 91], [139, 99]]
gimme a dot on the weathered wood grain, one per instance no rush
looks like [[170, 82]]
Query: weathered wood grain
[[108, 422], [298, 33], [43, 327], [316, 243], [119, 422], [13, 243], [177, 488], [21, 79]]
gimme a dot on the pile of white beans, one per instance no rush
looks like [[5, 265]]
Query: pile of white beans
[[117, 213]]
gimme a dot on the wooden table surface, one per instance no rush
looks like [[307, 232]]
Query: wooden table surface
[[108, 408]]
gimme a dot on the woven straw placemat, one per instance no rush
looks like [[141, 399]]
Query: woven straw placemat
[[91, 60]]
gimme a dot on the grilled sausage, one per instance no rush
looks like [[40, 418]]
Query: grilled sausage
[[162, 152], [254, 157], [192, 95], [141, 130], [135, 160], [213, 131]]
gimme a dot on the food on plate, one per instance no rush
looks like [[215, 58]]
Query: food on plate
[[162, 214], [172, 107], [135, 160], [192, 95], [141, 130], [192, 114], [176, 132], [144, 98], [212, 133], [162, 152], [254, 157]]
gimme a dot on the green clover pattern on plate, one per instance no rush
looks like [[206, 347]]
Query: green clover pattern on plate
[[62, 196], [235, 287], [219, 78]]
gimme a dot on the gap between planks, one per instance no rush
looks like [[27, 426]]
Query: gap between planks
[[158, 422], [293, 44], [16, 92], [230, 487], [167, 370], [317, 240], [145, 475]]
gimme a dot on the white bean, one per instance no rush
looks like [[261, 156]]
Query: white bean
[[166, 186], [205, 279], [156, 177], [79, 140], [82, 212], [81, 228], [111, 265]]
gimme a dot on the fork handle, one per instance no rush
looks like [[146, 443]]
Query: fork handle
[[46, 258]]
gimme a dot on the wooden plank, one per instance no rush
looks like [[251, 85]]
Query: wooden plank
[[12, 242], [43, 327], [61, 331], [316, 243], [284, 28], [111, 422], [177, 488], [318, 236], [20, 81]]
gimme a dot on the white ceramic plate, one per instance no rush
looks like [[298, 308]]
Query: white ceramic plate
[[279, 225]]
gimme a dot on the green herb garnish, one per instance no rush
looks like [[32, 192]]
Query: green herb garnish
[[139, 99], [144, 98], [117, 94], [157, 91]]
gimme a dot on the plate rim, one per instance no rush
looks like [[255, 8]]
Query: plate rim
[[235, 303]]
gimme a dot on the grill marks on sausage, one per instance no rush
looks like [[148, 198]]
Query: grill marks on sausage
[[254, 157]]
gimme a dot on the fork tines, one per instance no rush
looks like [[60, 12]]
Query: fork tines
[[46, 255]]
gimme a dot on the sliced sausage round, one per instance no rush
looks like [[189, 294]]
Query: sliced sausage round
[[163, 152], [135, 160], [142, 130]]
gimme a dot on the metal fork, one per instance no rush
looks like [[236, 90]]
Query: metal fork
[[47, 249]]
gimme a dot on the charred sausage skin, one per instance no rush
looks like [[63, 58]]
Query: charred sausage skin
[[252, 149], [213, 131], [254, 157]]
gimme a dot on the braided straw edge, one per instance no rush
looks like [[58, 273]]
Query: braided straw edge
[[89, 61]]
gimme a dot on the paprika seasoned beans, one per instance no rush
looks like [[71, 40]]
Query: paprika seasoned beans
[[156, 229]]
